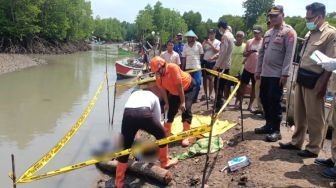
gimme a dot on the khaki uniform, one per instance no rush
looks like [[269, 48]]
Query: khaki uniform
[[331, 119], [257, 101], [308, 109]]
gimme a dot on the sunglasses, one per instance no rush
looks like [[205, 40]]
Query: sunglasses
[[273, 15], [311, 18]]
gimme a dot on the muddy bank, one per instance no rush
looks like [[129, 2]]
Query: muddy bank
[[270, 166], [14, 62], [42, 46]]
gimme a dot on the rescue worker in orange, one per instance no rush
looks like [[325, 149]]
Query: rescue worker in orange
[[178, 90]]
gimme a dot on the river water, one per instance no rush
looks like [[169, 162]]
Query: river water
[[39, 105]]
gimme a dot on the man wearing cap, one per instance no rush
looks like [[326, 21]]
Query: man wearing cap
[[191, 59], [274, 61], [223, 62], [251, 53], [178, 47], [312, 82], [211, 47], [181, 90]]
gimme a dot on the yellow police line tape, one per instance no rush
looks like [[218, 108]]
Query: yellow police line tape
[[174, 138], [53, 151], [28, 176], [213, 72]]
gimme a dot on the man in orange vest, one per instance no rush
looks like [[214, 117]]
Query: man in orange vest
[[178, 90]]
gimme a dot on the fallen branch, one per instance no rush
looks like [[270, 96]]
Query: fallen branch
[[142, 168]]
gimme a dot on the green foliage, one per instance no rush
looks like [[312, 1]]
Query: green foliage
[[80, 17], [236, 22], [19, 19], [22, 20], [71, 20], [299, 24], [54, 23], [331, 18], [162, 21], [109, 29], [192, 19], [254, 9]]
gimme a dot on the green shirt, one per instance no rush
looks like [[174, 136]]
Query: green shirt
[[237, 59]]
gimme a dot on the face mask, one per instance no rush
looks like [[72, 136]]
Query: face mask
[[311, 25], [221, 32]]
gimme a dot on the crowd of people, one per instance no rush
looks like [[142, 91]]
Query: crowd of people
[[262, 64]]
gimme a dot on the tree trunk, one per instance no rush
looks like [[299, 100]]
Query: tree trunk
[[141, 168]]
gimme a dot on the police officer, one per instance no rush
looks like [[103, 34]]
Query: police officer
[[275, 58], [312, 83]]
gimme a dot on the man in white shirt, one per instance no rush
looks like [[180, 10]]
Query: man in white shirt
[[142, 111], [223, 62], [211, 47], [170, 56], [191, 59]]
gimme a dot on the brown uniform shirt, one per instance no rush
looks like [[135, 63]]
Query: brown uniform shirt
[[324, 40]]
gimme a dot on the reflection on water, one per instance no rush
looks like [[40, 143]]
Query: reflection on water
[[32, 100], [40, 104]]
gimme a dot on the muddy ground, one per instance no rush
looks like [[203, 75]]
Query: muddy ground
[[15, 62], [270, 167]]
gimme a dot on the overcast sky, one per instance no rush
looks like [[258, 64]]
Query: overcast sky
[[127, 10]]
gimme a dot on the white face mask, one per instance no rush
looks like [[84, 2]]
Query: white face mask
[[221, 32]]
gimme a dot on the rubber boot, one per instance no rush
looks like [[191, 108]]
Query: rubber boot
[[120, 175], [167, 126], [164, 160], [187, 141]]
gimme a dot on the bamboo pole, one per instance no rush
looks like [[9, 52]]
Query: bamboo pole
[[13, 171]]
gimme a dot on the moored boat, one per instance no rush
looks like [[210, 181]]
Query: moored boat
[[128, 68]]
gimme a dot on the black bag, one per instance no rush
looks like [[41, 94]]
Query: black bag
[[306, 78]]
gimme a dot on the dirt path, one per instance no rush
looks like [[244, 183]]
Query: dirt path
[[14, 62], [270, 167]]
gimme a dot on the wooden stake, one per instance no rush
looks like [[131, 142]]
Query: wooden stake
[[214, 114], [242, 118], [13, 171]]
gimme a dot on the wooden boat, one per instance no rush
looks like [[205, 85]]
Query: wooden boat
[[128, 68]]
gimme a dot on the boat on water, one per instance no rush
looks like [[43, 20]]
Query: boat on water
[[128, 68]]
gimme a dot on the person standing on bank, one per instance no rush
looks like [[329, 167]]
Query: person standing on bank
[[142, 111], [170, 55], [191, 59], [211, 48], [274, 61], [251, 53], [223, 62], [178, 47], [312, 83], [237, 61], [178, 90]]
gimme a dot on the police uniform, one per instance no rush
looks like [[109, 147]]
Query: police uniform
[[275, 59], [308, 108]]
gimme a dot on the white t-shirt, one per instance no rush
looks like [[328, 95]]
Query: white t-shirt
[[143, 98], [208, 52], [171, 58], [193, 55]]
